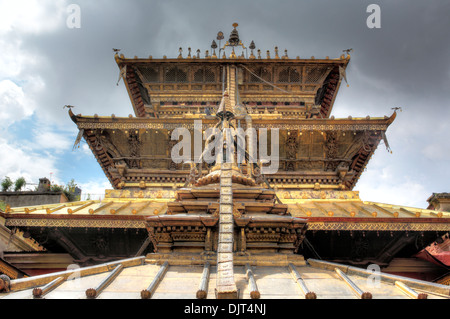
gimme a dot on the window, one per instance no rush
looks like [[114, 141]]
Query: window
[[175, 75]]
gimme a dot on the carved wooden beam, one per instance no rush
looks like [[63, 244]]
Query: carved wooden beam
[[93, 211], [385, 210], [342, 209], [41, 292], [145, 244], [148, 293], [409, 212], [50, 211], [410, 292], [360, 208], [353, 286], [323, 210], [67, 244], [301, 283], [254, 292], [95, 292], [28, 210], [202, 291], [394, 246], [137, 211], [72, 211], [115, 211]]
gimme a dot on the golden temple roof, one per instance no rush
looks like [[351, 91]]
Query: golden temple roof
[[324, 210]]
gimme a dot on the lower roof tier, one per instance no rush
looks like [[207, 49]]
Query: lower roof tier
[[323, 210], [184, 276]]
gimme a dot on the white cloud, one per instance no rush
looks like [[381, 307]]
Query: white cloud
[[95, 189], [31, 16], [44, 138], [436, 151], [16, 162], [14, 105], [399, 192], [388, 182]]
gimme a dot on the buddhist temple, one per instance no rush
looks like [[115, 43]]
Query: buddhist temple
[[197, 210]]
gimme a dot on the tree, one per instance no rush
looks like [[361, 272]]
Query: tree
[[69, 191], [19, 184], [6, 184]]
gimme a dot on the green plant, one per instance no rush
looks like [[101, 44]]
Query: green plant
[[19, 184], [56, 188], [6, 184], [2, 205], [69, 191]]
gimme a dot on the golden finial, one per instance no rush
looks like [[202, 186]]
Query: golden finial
[[207, 54], [276, 53], [180, 56], [233, 55], [189, 53], [259, 54], [285, 56], [214, 47], [268, 54], [198, 53], [252, 47]]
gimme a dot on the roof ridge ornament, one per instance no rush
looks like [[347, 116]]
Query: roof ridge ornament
[[233, 41]]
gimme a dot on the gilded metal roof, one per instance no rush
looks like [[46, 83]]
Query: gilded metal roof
[[184, 277], [345, 213]]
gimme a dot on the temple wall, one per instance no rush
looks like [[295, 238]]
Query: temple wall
[[21, 199]]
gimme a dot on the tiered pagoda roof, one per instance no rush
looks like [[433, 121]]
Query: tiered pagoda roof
[[225, 215]]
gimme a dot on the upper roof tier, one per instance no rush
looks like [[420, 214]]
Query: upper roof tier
[[332, 152], [301, 87]]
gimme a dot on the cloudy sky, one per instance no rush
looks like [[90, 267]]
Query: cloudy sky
[[45, 65]]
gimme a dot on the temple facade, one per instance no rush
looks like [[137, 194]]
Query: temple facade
[[231, 161]]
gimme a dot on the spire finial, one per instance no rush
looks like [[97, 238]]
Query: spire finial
[[214, 47], [252, 47], [234, 36]]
